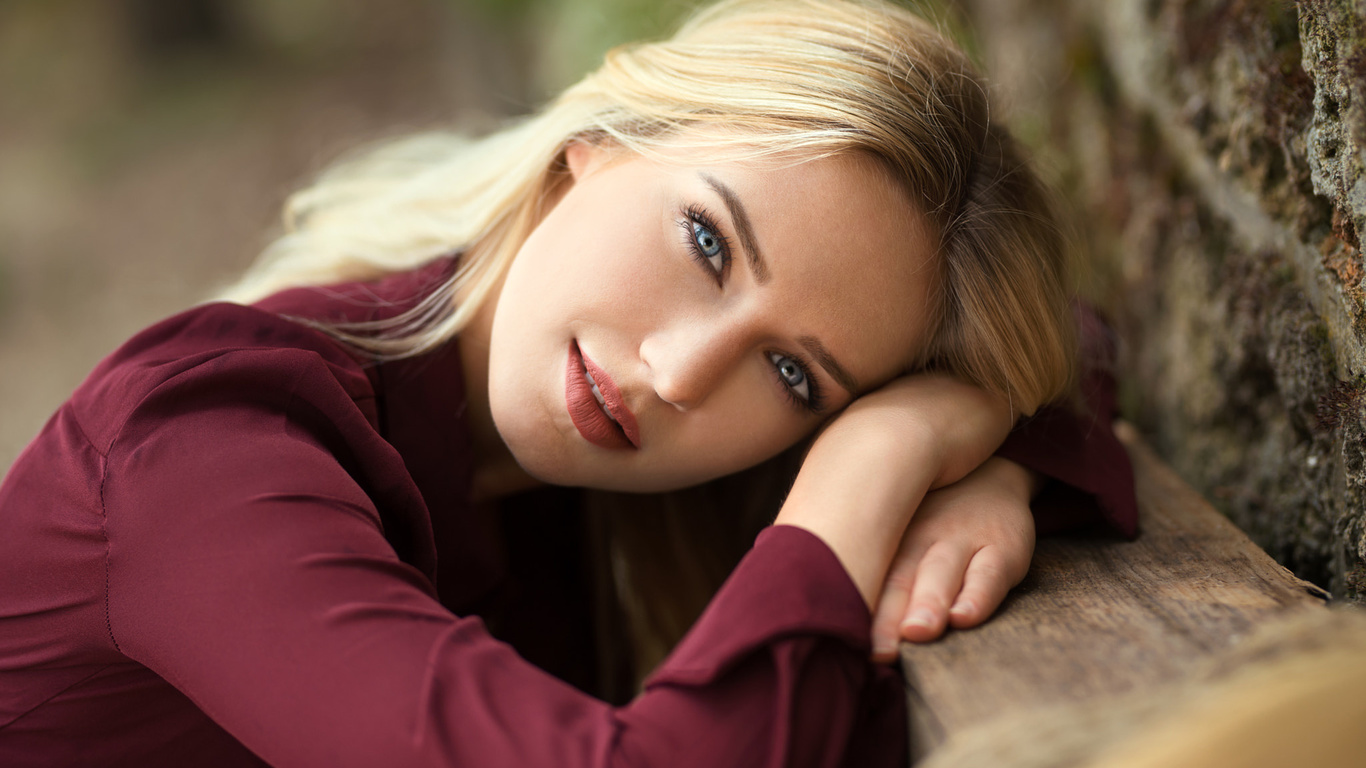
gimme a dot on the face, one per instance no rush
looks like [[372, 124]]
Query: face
[[671, 321]]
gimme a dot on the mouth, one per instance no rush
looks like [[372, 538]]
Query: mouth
[[595, 404]]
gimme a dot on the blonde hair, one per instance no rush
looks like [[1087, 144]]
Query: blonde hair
[[772, 78], [779, 79]]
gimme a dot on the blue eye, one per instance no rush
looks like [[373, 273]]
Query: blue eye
[[792, 374], [705, 241], [709, 246]]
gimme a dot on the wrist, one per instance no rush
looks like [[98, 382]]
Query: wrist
[[858, 496], [1020, 481]]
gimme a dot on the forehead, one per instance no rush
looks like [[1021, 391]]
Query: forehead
[[852, 260]]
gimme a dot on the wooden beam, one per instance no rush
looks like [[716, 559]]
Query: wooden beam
[[1099, 618]]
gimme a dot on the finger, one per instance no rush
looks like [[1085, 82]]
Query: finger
[[938, 581], [985, 584], [891, 604]]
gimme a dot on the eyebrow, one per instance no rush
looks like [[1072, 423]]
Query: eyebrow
[[759, 267], [743, 228], [838, 372]]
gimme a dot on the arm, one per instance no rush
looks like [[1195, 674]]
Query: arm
[[249, 568], [969, 544], [869, 468]]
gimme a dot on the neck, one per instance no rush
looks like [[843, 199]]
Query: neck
[[496, 471]]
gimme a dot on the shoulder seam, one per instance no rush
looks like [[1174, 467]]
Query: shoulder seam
[[104, 475], [104, 531]]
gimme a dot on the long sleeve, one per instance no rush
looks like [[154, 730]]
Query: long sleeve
[[250, 570], [1076, 447], [243, 567]]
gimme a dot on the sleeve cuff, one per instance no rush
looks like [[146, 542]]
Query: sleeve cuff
[[789, 584]]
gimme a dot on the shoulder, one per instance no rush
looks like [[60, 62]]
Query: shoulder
[[217, 354]]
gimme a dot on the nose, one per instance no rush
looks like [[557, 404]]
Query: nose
[[690, 359]]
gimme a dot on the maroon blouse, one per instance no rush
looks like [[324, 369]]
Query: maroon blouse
[[219, 552]]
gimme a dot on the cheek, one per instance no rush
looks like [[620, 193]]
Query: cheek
[[751, 431], [608, 265]]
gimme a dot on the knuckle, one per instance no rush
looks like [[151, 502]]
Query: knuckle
[[939, 556], [932, 597], [901, 580]]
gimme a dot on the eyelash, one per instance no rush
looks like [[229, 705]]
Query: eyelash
[[814, 402], [695, 215]]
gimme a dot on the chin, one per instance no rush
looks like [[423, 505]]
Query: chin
[[555, 458], [542, 462]]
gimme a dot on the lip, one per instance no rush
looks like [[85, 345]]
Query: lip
[[589, 417]]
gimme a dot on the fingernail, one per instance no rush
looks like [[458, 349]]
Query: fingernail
[[920, 617], [961, 609], [883, 646]]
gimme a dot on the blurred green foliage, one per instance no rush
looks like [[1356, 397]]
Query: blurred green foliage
[[581, 31], [573, 35], [115, 78]]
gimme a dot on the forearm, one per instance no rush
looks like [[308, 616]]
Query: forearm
[[968, 544], [772, 673], [1026, 482], [858, 503], [870, 468]]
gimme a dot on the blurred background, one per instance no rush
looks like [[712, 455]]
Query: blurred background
[[146, 146], [1212, 154]]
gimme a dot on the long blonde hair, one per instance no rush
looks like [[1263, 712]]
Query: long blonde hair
[[763, 79], [804, 78]]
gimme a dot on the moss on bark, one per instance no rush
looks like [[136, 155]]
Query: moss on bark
[[1213, 151]]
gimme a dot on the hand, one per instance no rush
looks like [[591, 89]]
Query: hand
[[921, 418], [869, 469], [967, 545]]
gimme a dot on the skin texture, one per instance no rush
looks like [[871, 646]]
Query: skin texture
[[610, 268], [966, 546], [688, 336], [933, 429]]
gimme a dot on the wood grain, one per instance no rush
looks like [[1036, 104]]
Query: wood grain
[[1097, 618]]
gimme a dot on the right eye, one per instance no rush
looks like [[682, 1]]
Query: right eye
[[705, 241], [792, 374], [709, 246]]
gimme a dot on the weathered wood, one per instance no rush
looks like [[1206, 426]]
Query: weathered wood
[[1097, 618]]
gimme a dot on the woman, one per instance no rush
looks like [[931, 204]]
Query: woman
[[262, 531]]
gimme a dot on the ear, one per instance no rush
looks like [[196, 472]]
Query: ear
[[583, 158]]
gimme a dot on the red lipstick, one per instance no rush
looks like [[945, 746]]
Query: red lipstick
[[607, 425]]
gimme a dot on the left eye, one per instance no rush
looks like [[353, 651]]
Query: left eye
[[792, 375], [709, 246]]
